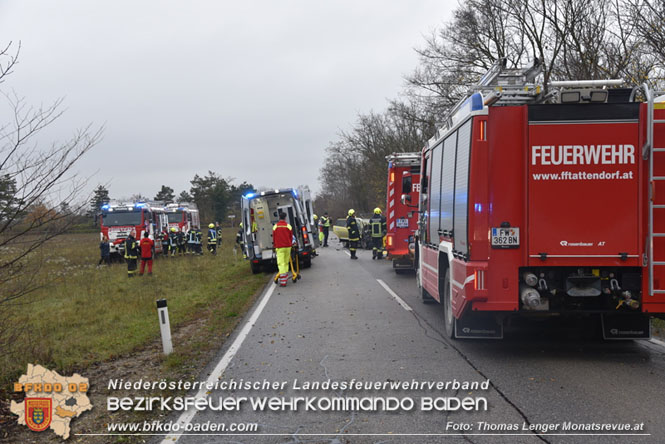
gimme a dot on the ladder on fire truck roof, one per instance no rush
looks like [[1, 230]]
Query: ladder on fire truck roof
[[520, 86], [650, 152], [404, 159], [511, 86]]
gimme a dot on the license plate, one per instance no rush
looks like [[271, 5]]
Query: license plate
[[505, 237], [403, 223]]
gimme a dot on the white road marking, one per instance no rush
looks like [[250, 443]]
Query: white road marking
[[188, 415], [657, 342], [348, 254], [399, 300]]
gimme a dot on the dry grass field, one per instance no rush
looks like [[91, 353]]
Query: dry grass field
[[85, 315]]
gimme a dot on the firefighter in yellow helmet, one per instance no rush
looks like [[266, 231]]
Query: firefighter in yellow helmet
[[173, 241], [377, 225], [354, 233], [212, 239], [325, 228]]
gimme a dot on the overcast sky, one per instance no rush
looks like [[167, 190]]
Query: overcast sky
[[253, 90]]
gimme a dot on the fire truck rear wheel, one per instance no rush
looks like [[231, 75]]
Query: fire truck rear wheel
[[446, 302]]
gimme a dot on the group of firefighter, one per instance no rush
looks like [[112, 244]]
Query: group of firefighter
[[178, 242], [378, 230], [174, 242], [283, 240]]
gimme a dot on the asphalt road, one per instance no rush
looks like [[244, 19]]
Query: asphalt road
[[340, 323]]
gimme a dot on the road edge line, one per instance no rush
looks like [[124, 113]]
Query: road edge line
[[187, 416], [399, 300]]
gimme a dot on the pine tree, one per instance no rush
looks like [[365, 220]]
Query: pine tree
[[165, 195], [185, 197], [100, 198]]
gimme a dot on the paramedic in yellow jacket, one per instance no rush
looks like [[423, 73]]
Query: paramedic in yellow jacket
[[282, 239]]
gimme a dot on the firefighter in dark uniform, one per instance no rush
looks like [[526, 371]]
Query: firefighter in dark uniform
[[198, 242], [212, 239], [173, 242], [219, 233], [325, 225], [191, 241], [131, 254], [239, 241], [354, 233], [180, 240], [164, 236], [378, 229]]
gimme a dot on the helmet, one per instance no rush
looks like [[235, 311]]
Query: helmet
[[316, 217], [377, 210], [352, 212], [211, 225], [173, 229], [240, 225]]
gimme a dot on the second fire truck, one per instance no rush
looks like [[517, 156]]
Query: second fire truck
[[402, 209]]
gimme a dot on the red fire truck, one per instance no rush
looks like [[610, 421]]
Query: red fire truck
[[119, 219], [537, 204], [402, 208], [183, 216]]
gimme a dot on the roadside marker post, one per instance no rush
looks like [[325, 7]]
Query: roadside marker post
[[164, 326]]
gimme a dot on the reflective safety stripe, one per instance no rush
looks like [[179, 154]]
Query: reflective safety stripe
[[376, 229], [282, 226]]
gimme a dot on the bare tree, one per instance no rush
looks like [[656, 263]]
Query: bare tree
[[647, 18], [354, 173], [571, 39], [38, 189]]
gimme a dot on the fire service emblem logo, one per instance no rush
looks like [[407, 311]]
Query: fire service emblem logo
[[38, 413]]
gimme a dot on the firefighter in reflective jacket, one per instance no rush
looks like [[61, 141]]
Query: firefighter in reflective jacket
[[325, 228], [173, 241], [131, 254], [354, 233], [377, 226], [212, 239], [191, 241], [282, 239]]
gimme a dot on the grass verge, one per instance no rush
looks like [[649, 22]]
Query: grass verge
[[86, 317]]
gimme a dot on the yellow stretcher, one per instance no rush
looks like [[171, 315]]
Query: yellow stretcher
[[295, 269]]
